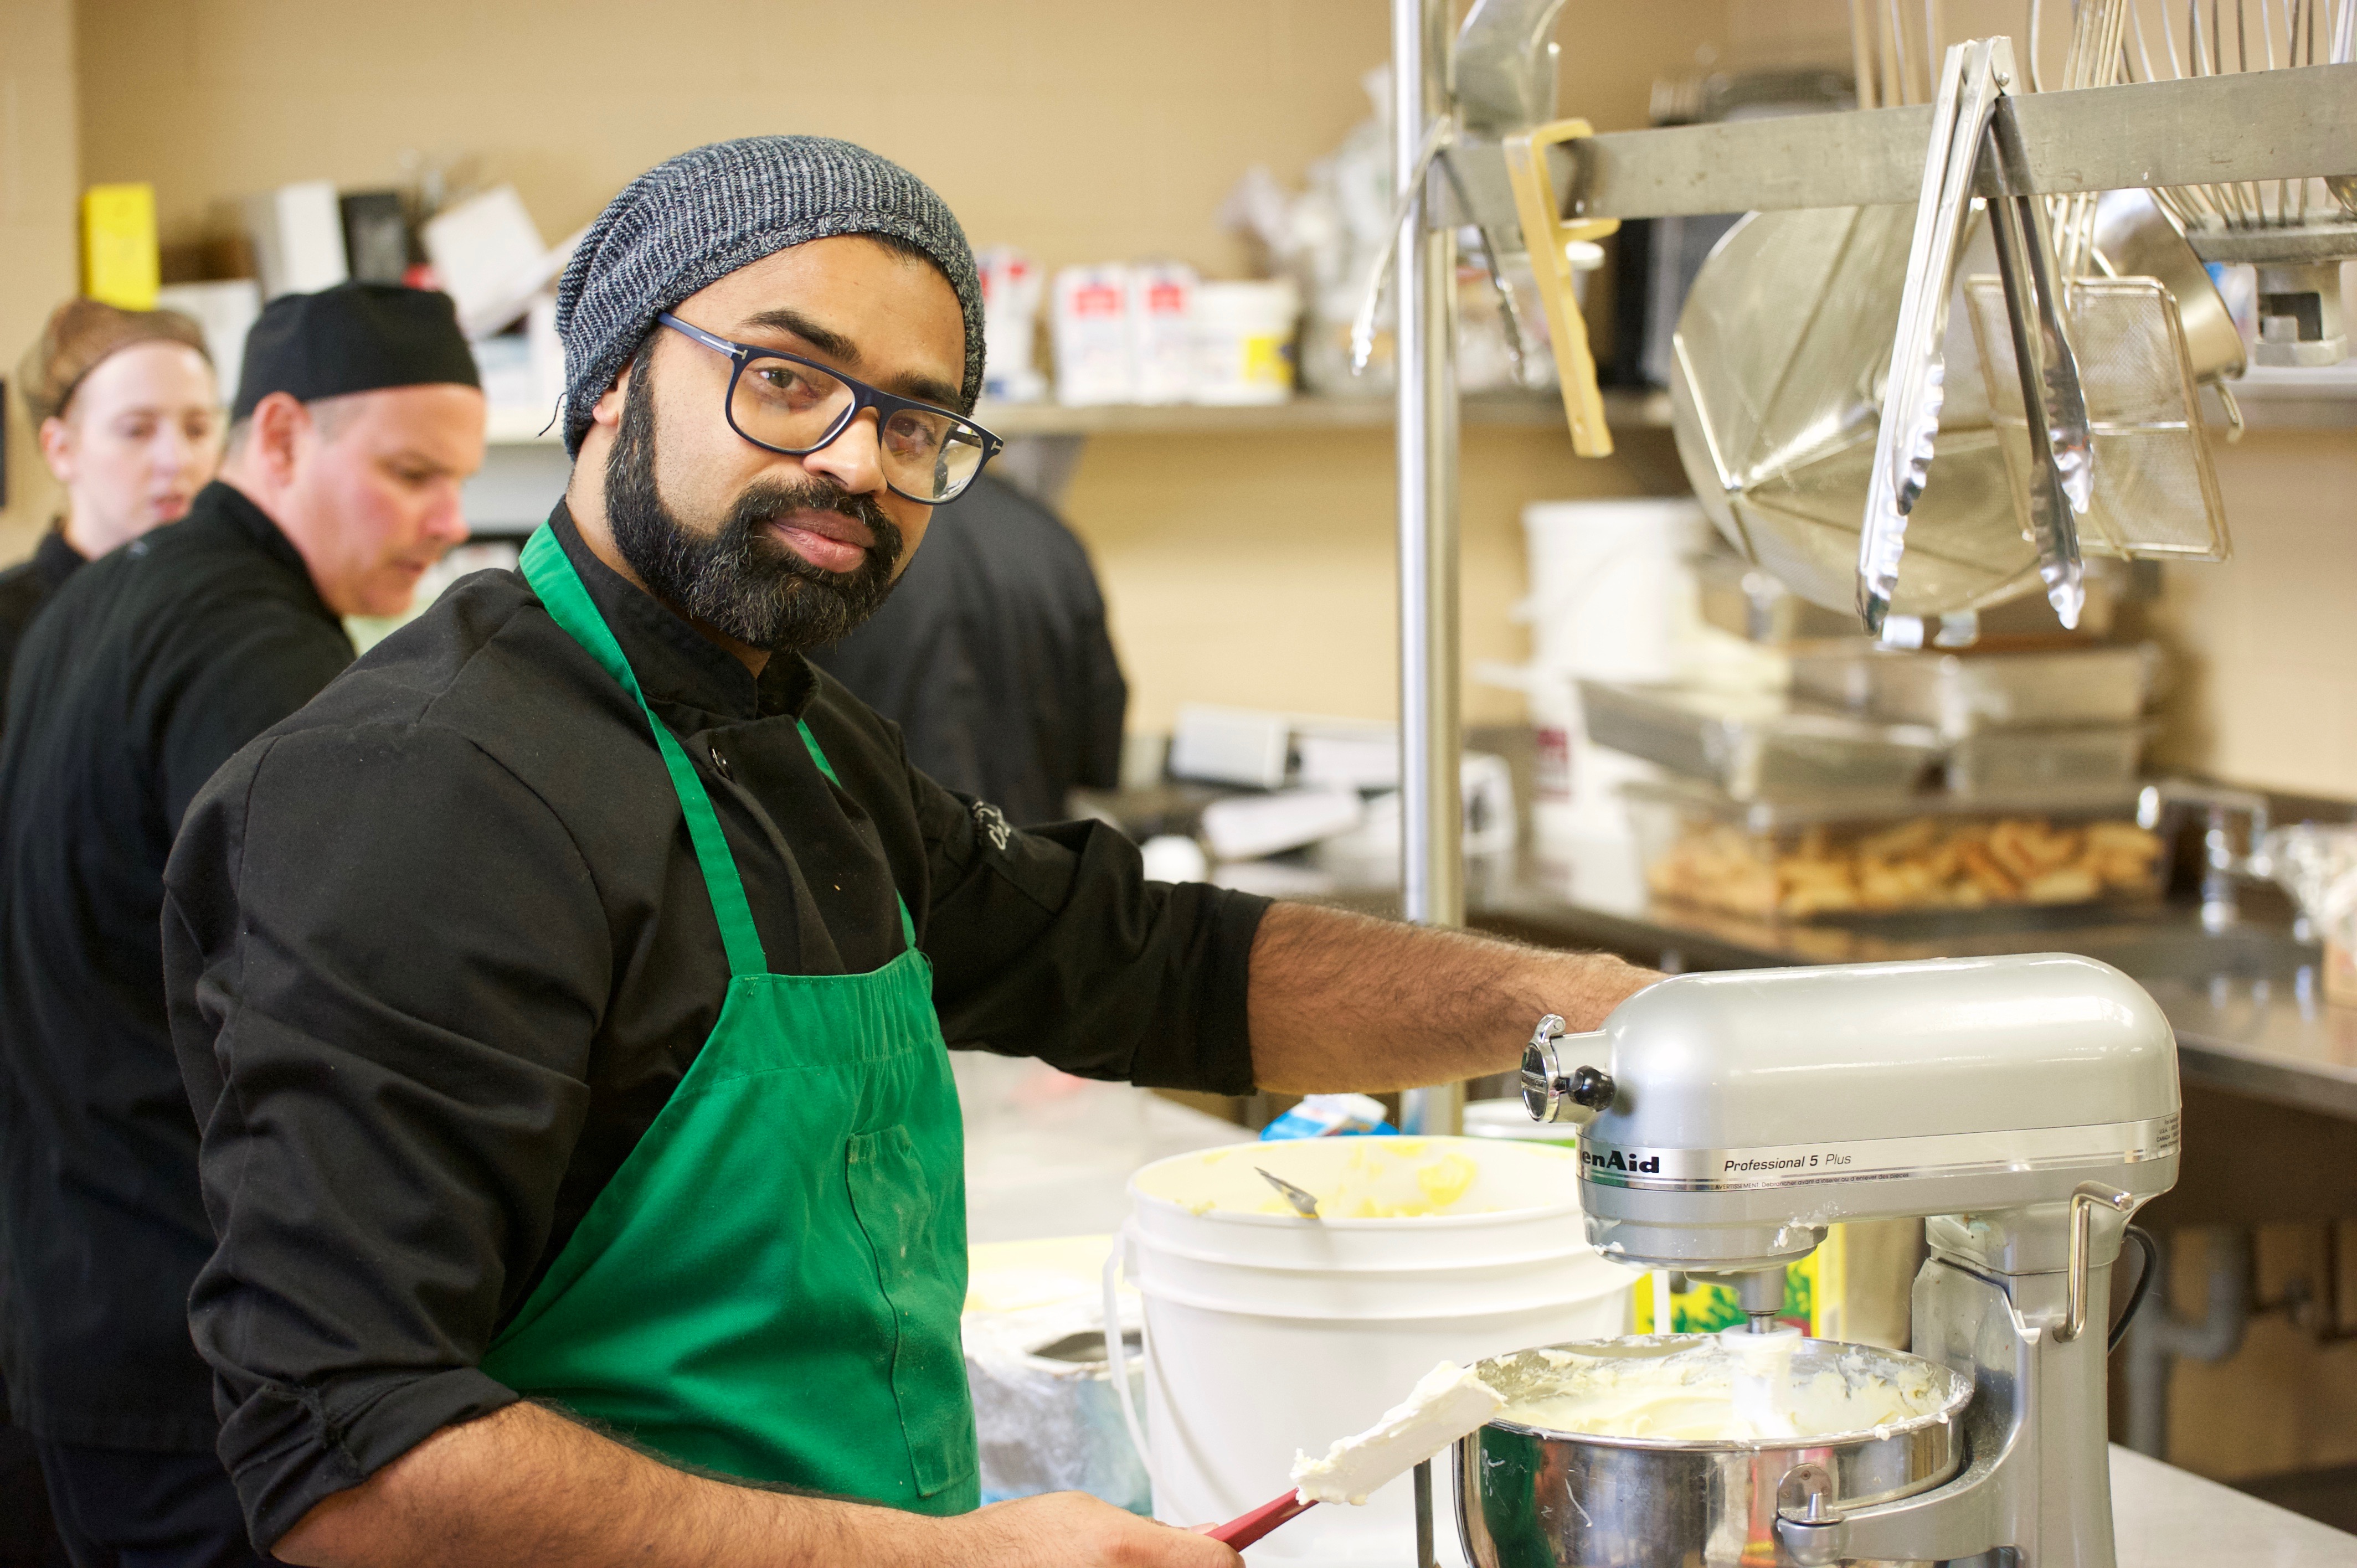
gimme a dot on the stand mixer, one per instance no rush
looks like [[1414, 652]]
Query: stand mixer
[[2025, 1106]]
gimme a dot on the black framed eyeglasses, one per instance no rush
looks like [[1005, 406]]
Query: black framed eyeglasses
[[785, 403]]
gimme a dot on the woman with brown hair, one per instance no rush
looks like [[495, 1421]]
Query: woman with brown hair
[[130, 422]]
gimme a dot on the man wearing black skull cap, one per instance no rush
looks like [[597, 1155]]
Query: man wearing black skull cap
[[357, 416], [565, 995]]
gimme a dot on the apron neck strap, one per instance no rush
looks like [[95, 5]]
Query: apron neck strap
[[552, 577], [907, 926]]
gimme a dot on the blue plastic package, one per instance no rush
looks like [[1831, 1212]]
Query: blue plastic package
[[1331, 1116]]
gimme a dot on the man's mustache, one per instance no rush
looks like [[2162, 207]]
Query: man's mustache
[[764, 504]]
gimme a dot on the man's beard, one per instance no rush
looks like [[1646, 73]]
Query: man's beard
[[742, 580]]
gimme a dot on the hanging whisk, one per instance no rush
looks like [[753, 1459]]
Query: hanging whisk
[[2246, 35]]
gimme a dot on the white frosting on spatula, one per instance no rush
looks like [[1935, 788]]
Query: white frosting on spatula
[[1448, 1404]]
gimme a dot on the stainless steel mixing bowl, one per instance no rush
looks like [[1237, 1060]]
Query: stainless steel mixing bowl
[[1528, 1497]]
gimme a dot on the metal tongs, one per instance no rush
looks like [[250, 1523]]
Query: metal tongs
[[1431, 152], [1976, 142]]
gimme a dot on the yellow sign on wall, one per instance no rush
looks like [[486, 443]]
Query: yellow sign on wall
[[119, 262]]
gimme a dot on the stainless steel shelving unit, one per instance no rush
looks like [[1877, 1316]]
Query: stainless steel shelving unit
[[1517, 411], [1026, 421], [2205, 131]]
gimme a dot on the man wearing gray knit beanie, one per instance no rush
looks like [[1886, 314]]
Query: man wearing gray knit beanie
[[565, 995]]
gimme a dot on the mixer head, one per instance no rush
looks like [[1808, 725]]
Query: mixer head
[[1727, 1119]]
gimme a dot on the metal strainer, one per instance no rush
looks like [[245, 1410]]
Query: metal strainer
[[2155, 495], [1777, 386]]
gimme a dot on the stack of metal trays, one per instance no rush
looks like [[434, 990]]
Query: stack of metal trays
[[2015, 716], [1760, 746]]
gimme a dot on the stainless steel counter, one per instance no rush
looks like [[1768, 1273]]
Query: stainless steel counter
[[2169, 1517], [2265, 1038], [2244, 1002]]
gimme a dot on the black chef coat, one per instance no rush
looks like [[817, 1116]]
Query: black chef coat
[[145, 672], [439, 951], [26, 587], [24, 1530], [993, 658]]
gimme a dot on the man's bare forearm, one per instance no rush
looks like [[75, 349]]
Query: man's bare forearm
[[526, 1485], [1343, 1002]]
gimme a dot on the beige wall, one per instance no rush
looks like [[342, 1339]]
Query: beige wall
[[38, 178], [2270, 637], [1079, 129]]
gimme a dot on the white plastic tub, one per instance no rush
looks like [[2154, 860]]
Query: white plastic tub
[[1609, 587], [1244, 341], [1268, 1334]]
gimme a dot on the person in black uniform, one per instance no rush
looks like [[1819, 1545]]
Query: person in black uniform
[[130, 422], [357, 416], [992, 656], [564, 994]]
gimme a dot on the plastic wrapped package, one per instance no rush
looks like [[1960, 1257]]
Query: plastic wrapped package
[[1775, 862], [2316, 863], [1046, 1419]]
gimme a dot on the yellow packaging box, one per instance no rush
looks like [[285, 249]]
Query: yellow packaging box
[[119, 262]]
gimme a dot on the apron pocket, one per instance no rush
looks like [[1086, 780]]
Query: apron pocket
[[920, 1270]]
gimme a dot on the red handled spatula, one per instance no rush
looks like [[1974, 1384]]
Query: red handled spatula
[[1449, 1402], [1246, 1527]]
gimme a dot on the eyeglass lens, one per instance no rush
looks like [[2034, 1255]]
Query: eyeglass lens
[[925, 455]]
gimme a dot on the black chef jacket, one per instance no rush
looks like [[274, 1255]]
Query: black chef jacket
[[439, 951], [145, 672], [26, 587], [993, 658]]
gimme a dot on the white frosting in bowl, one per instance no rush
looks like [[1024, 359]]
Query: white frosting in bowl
[[1736, 1387]]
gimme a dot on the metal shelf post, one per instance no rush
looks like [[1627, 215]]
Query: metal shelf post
[[1432, 817]]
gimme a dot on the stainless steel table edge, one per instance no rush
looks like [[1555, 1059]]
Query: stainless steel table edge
[[2167, 1517]]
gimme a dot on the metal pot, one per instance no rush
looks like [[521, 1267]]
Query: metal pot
[[1528, 1497], [2135, 239]]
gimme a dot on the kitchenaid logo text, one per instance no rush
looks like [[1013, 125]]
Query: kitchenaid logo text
[[1613, 1160]]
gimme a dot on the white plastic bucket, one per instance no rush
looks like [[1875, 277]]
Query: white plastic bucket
[[1609, 585], [1268, 1334]]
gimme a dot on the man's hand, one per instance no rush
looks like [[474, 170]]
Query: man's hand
[[1342, 1001], [526, 1485], [1072, 1529]]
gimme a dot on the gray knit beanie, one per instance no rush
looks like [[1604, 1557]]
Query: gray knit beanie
[[694, 219]]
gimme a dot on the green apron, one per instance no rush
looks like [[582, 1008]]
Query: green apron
[[770, 1285]]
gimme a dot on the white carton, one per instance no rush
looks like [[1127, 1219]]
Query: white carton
[[297, 231], [1094, 360], [1012, 285], [1161, 331]]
